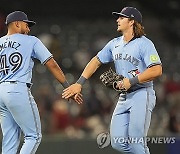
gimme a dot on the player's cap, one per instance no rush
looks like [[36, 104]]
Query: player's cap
[[19, 16], [129, 12]]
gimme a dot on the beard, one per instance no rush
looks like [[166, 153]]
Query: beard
[[119, 30], [24, 32]]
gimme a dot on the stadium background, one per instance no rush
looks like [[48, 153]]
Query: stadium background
[[74, 31]]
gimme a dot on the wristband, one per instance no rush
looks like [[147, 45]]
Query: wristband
[[65, 84], [133, 81], [81, 80]]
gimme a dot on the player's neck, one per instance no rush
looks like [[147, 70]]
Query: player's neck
[[12, 31], [128, 35]]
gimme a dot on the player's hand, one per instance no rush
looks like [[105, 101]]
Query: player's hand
[[72, 90], [124, 84], [77, 98]]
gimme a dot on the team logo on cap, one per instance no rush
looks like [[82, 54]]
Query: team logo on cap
[[124, 9]]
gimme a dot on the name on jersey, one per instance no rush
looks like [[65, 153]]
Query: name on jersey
[[10, 44], [128, 58]]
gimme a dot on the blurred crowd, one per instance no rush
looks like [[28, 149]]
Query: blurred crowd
[[73, 43]]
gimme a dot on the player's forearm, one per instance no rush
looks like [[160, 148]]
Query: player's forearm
[[56, 70], [91, 68], [150, 74]]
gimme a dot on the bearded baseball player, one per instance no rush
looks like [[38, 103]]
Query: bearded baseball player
[[137, 60], [18, 109]]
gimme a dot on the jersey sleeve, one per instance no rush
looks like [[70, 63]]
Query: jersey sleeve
[[105, 55], [41, 53], [149, 54]]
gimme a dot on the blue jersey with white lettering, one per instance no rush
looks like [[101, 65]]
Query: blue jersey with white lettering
[[17, 52], [130, 58]]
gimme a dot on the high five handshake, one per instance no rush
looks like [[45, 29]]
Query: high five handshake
[[75, 89]]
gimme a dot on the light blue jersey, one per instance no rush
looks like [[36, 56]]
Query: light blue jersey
[[130, 58], [18, 109], [17, 52]]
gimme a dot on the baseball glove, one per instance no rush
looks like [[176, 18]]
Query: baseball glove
[[110, 79]]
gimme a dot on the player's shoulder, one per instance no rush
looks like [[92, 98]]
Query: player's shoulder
[[144, 40], [117, 39], [21, 38], [30, 37]]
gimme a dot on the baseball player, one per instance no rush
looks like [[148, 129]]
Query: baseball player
[[18, 110], [136, 58]]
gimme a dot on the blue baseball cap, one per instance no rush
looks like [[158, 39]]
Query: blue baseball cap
[[130, 12], [19, 16]]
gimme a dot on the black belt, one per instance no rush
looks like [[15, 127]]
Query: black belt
[[123, 94], [14, 82]]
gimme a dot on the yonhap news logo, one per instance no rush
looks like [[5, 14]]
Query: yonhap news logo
[[142, 140], [104, 140]]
